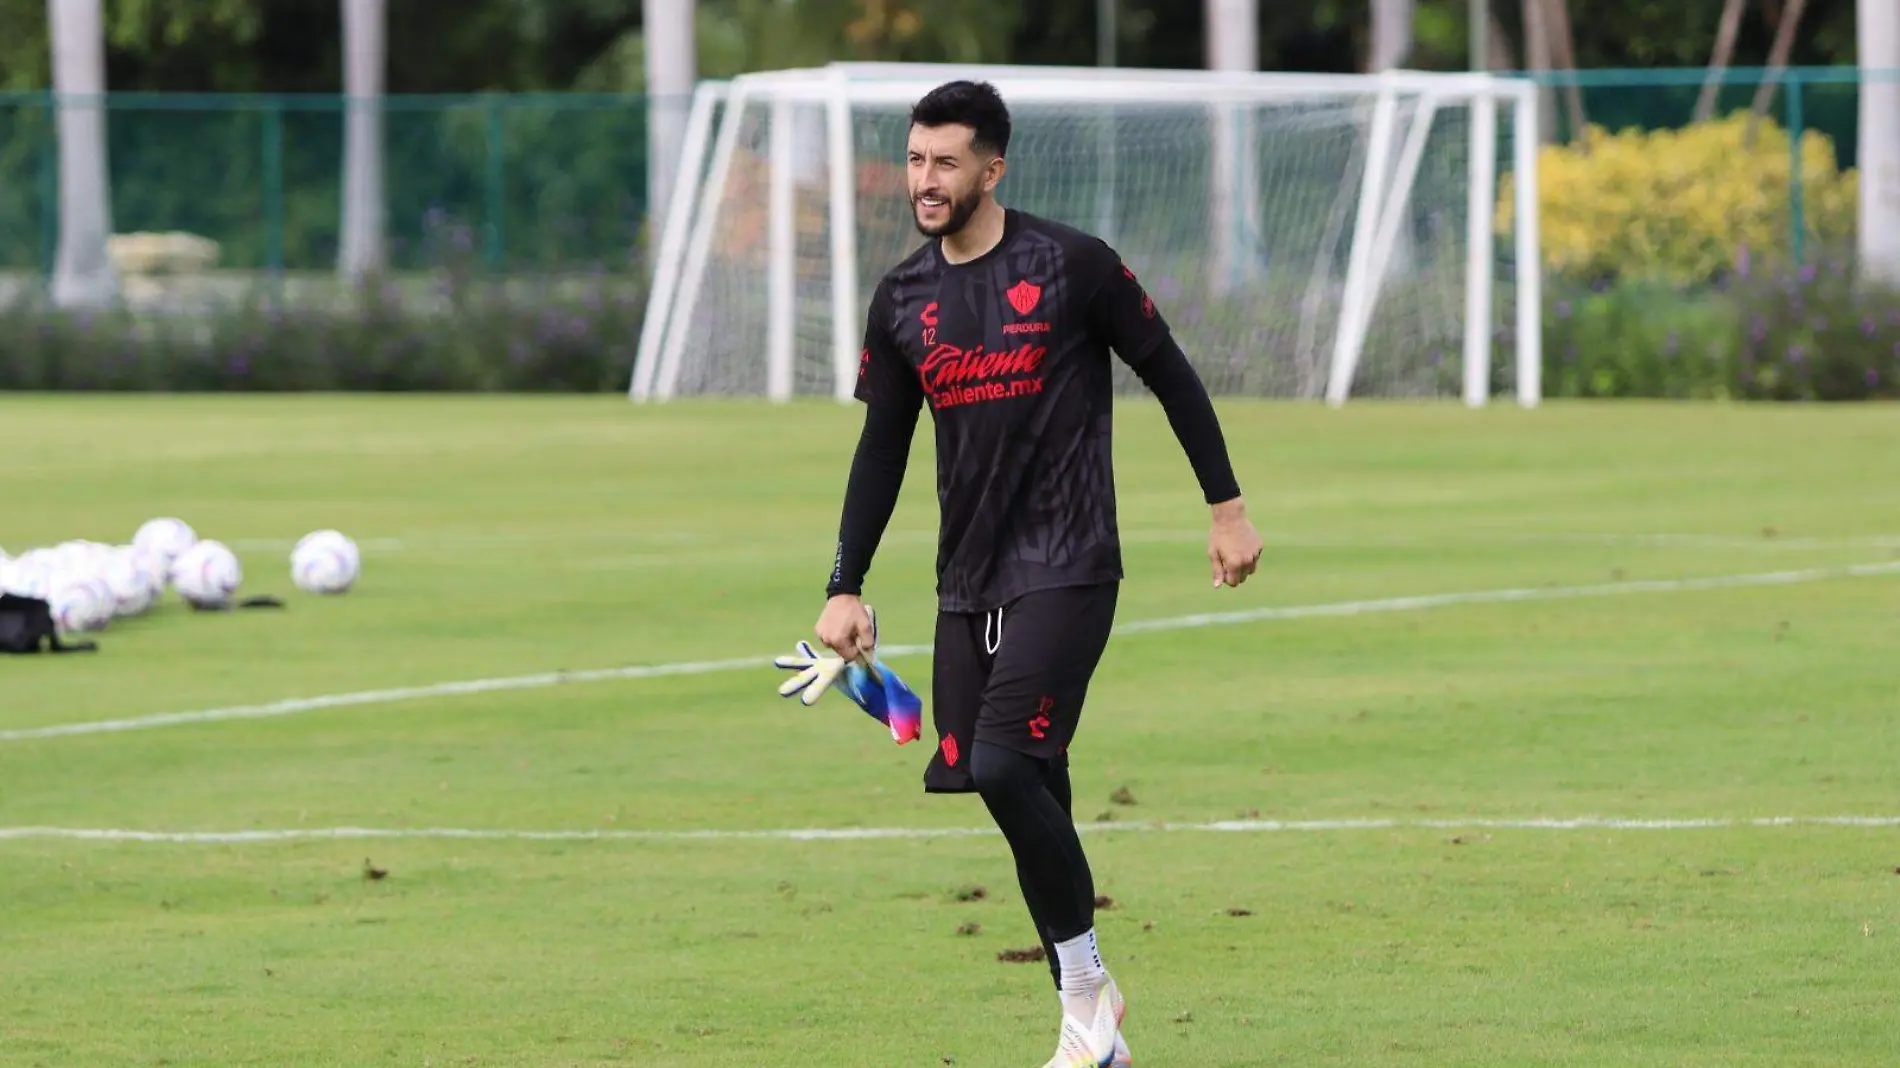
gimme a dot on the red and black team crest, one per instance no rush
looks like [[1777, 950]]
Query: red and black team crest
[[1023, 296], [929, 318]]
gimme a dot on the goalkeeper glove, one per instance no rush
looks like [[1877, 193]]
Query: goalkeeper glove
[[866, 680], [816, 673]]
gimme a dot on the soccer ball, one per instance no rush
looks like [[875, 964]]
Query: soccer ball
[[81, 556], [164, 540], [79, 602], [207, 574], [134, 579], [29, 575], [326, 562]]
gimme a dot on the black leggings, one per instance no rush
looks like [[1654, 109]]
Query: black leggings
[[1029, 799]]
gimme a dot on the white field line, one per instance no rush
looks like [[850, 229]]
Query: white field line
[[690, 544], [266, 545], [1526, 593], [832, 834], [1709, 541], [298, 705]]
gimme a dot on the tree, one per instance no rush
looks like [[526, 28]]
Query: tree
[[83, 272], [1719, 60], [1777, 62], [671, 64], [1537, 62], [1563, 45], [1878, 28], [1392, 22], [1391, 46], [361, 251]]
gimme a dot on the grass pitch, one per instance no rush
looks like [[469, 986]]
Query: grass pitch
[[1381, 922]]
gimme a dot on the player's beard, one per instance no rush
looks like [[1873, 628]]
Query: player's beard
[[960, 210]]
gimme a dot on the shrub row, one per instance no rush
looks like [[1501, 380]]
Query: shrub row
[[465, 337], [1673, 268], [1684, 205], [1815, 334], [1820, 333]]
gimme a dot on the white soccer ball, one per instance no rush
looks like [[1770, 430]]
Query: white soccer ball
[[165, 539], [326, 562], [208, 573], [81, 556], [335, 538], [134, 578], [29, 575], [79, 603]]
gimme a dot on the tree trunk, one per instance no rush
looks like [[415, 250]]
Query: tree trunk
[[1878, 31], [1498, 43], [1391, 45], [671, 69], [1777, 62], [1391, 34], [361, 250], [1233, 43], [1563, 49], [82, 273], [1724, 54], [1537, 62]]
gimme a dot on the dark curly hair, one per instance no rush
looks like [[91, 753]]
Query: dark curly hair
[[964, 103]]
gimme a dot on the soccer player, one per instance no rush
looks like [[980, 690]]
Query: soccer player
[[1003, 324]]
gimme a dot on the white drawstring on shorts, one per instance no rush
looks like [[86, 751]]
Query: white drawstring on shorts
[[993, 644]]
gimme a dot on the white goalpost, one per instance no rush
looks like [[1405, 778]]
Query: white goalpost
[[1307, 236]]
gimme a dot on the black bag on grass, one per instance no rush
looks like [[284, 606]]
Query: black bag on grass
[[26, 624]]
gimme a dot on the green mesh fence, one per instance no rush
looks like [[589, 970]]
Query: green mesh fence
[[28, 171], [511, 182], [559, 182]]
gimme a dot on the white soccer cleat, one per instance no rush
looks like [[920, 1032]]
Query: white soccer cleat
[[1098, 1043], [1075, 1047]]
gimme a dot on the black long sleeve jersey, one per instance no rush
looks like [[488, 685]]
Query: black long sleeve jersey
[[1011, 353]]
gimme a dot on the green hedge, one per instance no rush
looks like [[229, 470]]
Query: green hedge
[[572, 336], [1817, 333]]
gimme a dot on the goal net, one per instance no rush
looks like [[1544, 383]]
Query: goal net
[[1309, 236]]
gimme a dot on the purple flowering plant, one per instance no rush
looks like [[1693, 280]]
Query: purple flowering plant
[[1824, 331]]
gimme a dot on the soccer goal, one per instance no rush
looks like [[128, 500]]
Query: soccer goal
[[1309, 236]]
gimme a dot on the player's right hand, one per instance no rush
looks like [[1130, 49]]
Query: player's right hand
[[845, 627], [1233, 546]]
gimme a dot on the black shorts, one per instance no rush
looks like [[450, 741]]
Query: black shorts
[[1015, 677]]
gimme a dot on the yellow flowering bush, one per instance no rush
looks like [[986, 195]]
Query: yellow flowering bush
[[1681, 205]]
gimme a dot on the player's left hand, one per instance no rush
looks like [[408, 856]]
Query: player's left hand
[[1233, 546]]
